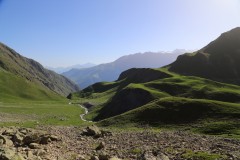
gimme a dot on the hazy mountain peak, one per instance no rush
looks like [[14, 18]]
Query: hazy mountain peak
[[111, 71], [65, 69]]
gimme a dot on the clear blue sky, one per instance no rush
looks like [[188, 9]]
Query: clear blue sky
[[66, 32]]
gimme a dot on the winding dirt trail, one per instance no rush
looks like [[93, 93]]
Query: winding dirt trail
[[85, 113]]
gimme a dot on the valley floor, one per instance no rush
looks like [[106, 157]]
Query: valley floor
[[137, 144]]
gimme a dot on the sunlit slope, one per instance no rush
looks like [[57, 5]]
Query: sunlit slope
[[16, 89], [28, 104], [33, 71]]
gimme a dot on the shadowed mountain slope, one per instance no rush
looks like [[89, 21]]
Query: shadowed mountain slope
[[218, 61]]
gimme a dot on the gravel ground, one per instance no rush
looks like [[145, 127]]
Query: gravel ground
[[133, 144]]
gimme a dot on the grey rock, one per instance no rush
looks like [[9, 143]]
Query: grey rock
[[9, 132], [94, 158], [30, 154], [33, 138], [114, 158], [17, 138], [10, 154], [148, 155], [34, 146], [104, 156], [106, 133], [40, 153], [45, 140], [92, 131], [100, 146], [80, 157], [54, 138], [6, 141], [23, 131]]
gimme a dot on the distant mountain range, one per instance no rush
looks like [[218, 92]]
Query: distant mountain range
[[33, 72], [60, 70], [111, 71]]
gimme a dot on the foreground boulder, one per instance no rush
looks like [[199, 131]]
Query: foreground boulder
[[4, 140], [32, 138], [92, 131], [95, 132], [10, 154]]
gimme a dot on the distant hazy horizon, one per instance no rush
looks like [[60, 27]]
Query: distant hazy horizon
[[60, 33]]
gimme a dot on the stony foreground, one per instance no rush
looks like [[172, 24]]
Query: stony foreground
[[71, 143]]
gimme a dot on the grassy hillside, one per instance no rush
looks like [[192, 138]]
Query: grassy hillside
[[14, 89], [198, 115], [218, 61], [24, 103], [169, 99], [36, 113], [32, 71]]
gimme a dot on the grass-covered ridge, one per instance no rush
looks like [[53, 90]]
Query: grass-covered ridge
[[168, 100]]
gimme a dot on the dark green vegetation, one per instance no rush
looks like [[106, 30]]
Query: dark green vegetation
[[32, 71], [218, 61], [202, 155]]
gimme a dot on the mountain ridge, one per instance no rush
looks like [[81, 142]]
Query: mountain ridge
[[219, 60], [111, 71], [33, 71], [61, 70]]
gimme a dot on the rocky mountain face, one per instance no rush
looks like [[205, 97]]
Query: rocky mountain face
[[218, 61], [33, 71], [111, 71]]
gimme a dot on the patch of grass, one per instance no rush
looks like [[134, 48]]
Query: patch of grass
[[32, 114], [136, 151], [16, 89], [224, 128], [202, 156]]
